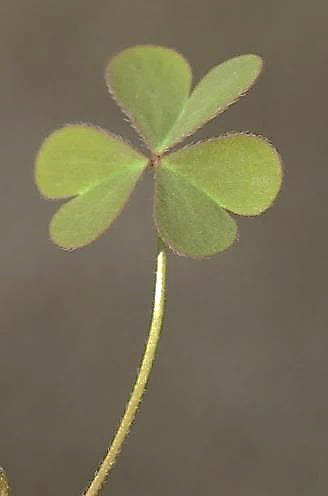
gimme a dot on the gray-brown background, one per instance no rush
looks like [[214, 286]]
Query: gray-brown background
[[237, 404]]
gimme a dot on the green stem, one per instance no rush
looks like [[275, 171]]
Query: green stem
[[143, 376]]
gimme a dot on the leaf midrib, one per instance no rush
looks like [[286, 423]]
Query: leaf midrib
[[182, 176], [107, 178]]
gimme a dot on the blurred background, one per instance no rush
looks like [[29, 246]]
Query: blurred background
[[237, 404]]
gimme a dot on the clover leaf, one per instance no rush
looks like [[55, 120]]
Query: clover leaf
[[152, 85], [236, 172], [97, 169], [196, 188]]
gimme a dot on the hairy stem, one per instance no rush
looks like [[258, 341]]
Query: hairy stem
[[143, 376]]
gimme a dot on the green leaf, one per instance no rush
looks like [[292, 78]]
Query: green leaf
[[100, 168], [76, 157], [86, 217], [240, 172], [151, 84], [188, 220], [221, 87]]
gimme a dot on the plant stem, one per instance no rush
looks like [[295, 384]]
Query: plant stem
[[143, 376], [4, 485]]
